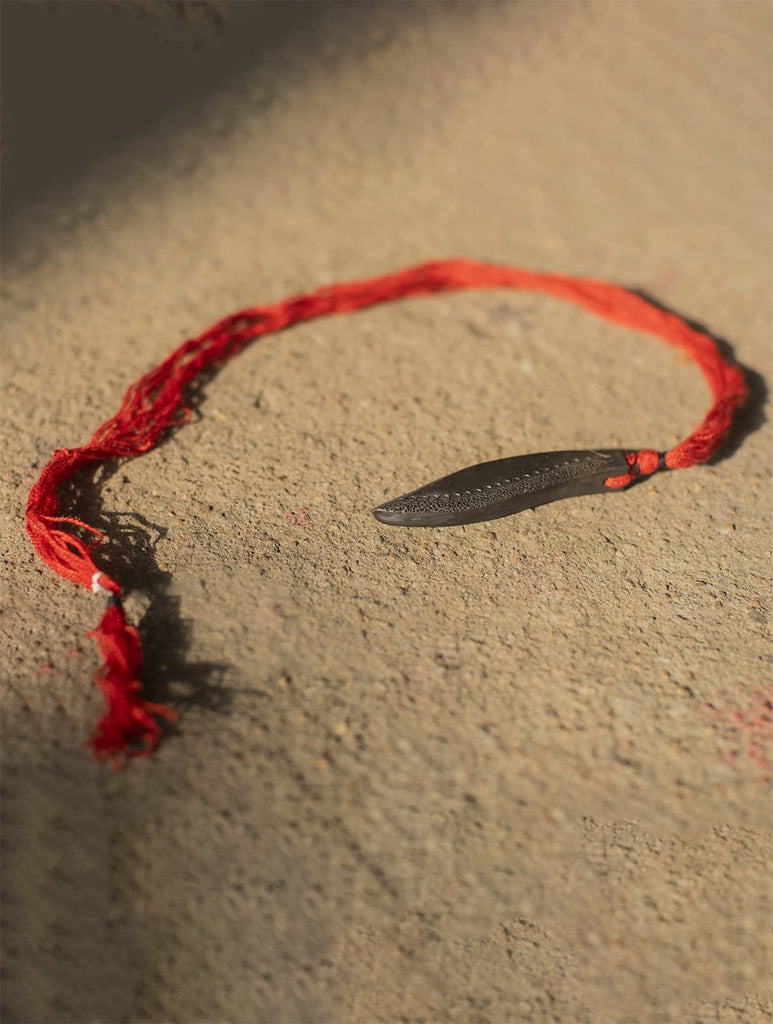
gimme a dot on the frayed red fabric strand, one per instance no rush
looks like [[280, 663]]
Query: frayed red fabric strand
[[131, 725], [155, 404]]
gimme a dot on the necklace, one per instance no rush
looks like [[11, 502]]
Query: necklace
[[155, 404]]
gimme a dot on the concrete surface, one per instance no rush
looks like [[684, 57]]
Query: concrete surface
[[512, 772]]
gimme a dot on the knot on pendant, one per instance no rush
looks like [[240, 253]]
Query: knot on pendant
[[641, 463]]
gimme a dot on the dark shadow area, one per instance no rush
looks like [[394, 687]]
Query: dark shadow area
[[751, 416], [73, 947], [79, 78]]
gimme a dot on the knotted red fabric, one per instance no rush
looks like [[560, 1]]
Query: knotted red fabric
[[155, 404]]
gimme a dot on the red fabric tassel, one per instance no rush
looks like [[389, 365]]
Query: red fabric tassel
[[156, 403], [130, 726]]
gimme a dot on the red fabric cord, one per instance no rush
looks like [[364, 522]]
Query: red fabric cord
[[128, 715], [156, 402]]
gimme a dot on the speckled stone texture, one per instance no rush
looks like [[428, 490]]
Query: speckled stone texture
[[517, 771]]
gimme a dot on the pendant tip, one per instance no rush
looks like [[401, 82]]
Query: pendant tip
[[388, 515]]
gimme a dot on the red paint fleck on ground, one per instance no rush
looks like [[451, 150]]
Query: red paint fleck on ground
[[327, 398], [300, 517], [46, 668], [749, 730], [665, 281]]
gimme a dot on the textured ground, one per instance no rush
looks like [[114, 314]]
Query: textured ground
[[512, 772]]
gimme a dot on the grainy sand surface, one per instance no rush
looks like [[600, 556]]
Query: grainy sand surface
[[516, 772]]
